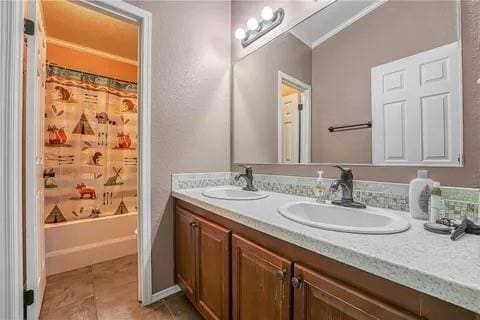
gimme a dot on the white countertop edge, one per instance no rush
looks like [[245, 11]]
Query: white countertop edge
[[461, 294]]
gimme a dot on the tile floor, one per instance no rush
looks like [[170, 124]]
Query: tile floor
[[107, 291]]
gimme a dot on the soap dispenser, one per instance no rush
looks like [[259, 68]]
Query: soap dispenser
[[435, 203], [420, 190], [320, 189]]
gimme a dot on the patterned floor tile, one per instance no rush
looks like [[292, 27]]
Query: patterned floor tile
[[181, 308], [68, 289], [84, 310], [108, 291]]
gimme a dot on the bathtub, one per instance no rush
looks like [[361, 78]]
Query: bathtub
[[77, 244]]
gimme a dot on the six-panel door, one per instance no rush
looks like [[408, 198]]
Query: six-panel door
[[417, 109], [260, 282], [213, 270], [318, 297]]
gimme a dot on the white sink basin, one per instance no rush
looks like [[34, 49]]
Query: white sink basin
[[233, 193], [337, 218]]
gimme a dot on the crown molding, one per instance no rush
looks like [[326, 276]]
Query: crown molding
[[91, 51], [347, 23]]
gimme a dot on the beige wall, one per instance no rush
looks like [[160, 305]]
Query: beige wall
[[190, 107], [295, 12], [342, 70], [190, 94], [467, 176], [255, 95]]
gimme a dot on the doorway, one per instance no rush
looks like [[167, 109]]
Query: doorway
[[87, 131], [294, 120]]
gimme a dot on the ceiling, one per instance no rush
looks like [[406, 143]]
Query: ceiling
[[70, 22], [288, 90], [331, 20]]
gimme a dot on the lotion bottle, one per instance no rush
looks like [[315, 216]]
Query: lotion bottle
[[320, 189], [435, 203], [420, 190]]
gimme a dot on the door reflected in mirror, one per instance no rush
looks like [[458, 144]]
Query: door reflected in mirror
[[294, 118], [384, 77]]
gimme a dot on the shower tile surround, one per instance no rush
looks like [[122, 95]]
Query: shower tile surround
[[458, 202]]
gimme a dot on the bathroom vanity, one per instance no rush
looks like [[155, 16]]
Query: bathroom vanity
[[243, 260], [363, 84]]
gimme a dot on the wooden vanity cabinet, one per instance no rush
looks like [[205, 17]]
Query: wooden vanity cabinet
[[213, 270], [318, 297], [272, 279], [202, 264], [260, 282], [185, 252]]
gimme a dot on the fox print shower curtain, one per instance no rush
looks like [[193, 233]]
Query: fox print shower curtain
[[90, 146]]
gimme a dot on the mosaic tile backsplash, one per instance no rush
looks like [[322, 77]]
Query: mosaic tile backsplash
[[458, 203]]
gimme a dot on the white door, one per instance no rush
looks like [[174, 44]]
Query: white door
[[290, 129], [417, 109], [34, 184]]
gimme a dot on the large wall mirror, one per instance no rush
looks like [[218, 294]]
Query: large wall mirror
[[358, 82]]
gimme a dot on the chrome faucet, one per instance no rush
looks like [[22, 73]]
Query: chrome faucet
[[346, 182], [248, 176]]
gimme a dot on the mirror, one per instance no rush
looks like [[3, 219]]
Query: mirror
[[359, 82]]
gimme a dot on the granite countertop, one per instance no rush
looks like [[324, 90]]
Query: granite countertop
[[424, 261]]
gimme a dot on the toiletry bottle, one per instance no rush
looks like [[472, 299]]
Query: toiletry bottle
[[320, 189], [435, 203], [420, 190]]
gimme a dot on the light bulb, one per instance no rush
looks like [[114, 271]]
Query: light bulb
[[252, 24], [240, 34], [267, 13]]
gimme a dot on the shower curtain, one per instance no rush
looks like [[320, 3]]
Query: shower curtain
[[90, 146]]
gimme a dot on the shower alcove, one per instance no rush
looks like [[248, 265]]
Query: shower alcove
[[90, 173]]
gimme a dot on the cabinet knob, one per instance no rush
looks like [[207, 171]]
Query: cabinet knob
[[280, 274], [296, 282], [193, 224]]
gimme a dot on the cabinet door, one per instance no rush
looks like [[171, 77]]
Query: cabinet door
[[185, 252], [260, 282], [213, 270], [317, 297]]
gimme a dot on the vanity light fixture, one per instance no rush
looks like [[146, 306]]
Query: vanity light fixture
[[267, 13], [252, 24], [240, 34], [256, 29]]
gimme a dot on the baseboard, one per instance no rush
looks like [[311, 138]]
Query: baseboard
[[165, 293]]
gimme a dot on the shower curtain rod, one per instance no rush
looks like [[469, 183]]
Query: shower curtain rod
[[93, 74]]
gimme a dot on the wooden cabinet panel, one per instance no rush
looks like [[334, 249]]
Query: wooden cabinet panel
[[213, 270], [317, 297], [260, 282], [258, 294], [185, 252]]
